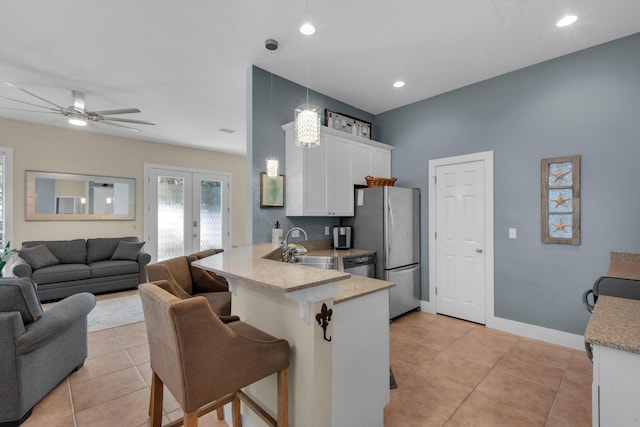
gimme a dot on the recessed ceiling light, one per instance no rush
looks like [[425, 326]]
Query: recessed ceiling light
[[307, 29], [399, 83], [566, 21]]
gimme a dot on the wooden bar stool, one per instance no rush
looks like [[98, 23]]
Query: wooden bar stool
[[204, 362]]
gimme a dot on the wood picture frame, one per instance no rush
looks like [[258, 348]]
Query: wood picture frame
[[347, 124], [560, 200], [271, 191]]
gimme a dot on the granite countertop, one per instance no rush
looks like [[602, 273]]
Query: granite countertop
[[257, 263], [615, 323]]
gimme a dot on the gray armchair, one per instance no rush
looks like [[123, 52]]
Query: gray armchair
[[38, 348]]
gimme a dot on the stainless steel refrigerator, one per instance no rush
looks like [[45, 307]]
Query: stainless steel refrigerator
[[387, 220]]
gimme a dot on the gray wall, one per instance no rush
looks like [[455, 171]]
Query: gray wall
[[586, 103], [273, 101]]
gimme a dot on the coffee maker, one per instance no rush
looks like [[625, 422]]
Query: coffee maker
[[341, 237]]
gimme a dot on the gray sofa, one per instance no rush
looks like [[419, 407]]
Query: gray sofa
[[38, 348], [66, 267]]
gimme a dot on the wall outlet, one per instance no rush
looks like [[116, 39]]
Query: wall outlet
[[295, 233], [513, 233], [327, 230]]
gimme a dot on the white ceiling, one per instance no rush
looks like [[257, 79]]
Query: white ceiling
[[184, 63]]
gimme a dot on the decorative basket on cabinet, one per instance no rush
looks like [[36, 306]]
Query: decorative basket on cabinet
[[373, 181]]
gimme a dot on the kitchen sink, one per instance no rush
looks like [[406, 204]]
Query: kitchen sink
[[326, 262]]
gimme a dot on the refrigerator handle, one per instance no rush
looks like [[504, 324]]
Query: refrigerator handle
[[389, 234]]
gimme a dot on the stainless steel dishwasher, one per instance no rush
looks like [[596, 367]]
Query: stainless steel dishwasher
[[360, 265]]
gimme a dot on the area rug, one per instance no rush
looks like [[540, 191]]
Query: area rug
[[113, 312]]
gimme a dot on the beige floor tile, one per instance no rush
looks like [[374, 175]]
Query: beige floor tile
[[404, 412], [475, 352], [434, 391], [465, 372], [106, 388], [98, 335], [44, 420], [139, 353], [540, 352], [545, 375], [480, 410], [131, 327], [517, 392], [127, 410], [104, 345], [415, 318], [101, 365], [145, 371], [580, 362], [570, 411], [413, 352], [491, 338], [454, 327], [133, 338], [54, 406]]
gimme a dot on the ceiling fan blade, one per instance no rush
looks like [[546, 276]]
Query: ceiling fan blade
[[33, 105], [31, 111], [117, 119], [121, 111], [105, 122], [35, 96]]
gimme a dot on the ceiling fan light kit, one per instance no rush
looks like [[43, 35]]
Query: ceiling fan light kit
[[77, 114]]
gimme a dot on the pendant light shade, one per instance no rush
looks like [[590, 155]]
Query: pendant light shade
[[307, 126]]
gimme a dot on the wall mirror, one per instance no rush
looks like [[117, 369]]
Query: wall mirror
[[53, 196]]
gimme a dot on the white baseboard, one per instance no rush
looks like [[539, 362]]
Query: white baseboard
[[552, 336]]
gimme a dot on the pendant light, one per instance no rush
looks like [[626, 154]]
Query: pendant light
[[273, 163], [307, 117]]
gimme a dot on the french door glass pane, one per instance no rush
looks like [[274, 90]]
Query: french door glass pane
[[171, 201], [210, 214]]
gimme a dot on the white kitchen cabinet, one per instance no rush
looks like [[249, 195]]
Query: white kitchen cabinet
[[320, 180], [614, 333], [369, 160]]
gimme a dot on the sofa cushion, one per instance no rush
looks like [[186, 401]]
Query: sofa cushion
[[113, 268], [61, 273], [20, 295], [101, 249], [67, 251], [127, 250], [38, 256]]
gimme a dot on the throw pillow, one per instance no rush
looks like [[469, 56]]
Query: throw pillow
[[38, 257], [20, 295], [127, 250]]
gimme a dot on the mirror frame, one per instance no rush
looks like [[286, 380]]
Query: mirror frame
[[30, 198]]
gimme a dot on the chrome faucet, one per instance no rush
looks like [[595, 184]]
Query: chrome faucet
[[286, 251]]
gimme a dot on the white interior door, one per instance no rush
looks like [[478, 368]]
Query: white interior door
[[460, 241], [187, 212]]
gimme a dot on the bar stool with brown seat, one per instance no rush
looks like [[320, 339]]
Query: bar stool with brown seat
[[194, 281], [204, 362]]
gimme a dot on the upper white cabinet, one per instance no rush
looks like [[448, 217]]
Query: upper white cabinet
[[320, 180]]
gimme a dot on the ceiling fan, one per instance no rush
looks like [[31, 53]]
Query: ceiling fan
[[77, 113]]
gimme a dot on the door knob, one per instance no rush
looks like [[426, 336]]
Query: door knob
[[479, 250]]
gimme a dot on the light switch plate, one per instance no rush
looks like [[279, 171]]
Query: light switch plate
[[326, 230], [295, 233], [513, 233]]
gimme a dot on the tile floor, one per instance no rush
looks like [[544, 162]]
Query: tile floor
[[449, 373]]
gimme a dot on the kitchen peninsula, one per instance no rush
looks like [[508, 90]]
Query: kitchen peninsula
[[339, 375]]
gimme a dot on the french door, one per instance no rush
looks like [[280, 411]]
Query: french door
[[187, 211]]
